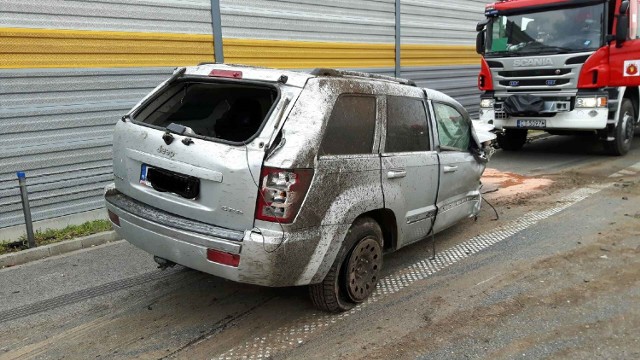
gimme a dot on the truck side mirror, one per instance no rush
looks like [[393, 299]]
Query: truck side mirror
[[622, 27], [480, 42], [624, 7], [481, 24]]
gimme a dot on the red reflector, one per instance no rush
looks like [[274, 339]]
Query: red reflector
[[114, 218], [223, 258], [226, 74]]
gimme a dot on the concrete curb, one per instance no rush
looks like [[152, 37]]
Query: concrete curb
[[25, 256]]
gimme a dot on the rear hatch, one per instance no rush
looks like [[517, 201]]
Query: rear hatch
[[195, 147]]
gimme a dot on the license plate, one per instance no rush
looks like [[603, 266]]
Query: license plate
[[144, 170], [168, 181], [531, 123]]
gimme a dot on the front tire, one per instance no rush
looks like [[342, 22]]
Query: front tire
[[624, 131], [355, 272], [512, 139]]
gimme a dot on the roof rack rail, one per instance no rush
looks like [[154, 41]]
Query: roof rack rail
[[346, 73]]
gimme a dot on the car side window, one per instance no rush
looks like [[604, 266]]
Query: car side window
[[454, 130], [406, 125], [351, 126]]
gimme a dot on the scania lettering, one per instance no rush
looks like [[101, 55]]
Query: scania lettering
[[533, 62], [562, 66]]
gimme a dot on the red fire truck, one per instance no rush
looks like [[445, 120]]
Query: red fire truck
[[562, 66]]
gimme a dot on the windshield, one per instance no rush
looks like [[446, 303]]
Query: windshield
[[547, 32]]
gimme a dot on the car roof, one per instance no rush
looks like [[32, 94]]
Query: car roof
[[295, 78]]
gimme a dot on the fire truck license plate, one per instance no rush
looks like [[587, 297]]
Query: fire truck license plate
[[531, 123]]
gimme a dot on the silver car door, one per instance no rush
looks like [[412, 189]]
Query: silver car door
[[459, 192], [409, 168]]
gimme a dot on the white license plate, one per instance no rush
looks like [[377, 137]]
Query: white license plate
[[531, 123]]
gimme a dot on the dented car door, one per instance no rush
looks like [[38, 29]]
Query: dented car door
[[459, 190]]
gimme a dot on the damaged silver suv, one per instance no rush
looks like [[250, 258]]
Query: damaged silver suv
[[281, 178]]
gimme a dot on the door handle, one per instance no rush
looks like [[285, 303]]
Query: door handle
[[396, 174], [450, 169]]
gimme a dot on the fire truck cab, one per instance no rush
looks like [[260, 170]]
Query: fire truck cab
[[562, 66]]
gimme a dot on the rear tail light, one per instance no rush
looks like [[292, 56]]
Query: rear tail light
[[114, 218], [223, 258], [281, 193]]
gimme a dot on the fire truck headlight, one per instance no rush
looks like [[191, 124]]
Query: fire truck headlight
[[591, 102], [487, 103]]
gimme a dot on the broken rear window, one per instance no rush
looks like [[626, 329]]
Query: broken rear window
[[220, 110]]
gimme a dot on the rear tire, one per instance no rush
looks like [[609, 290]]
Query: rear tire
[[623, 133], [512, 139], [355, 272]]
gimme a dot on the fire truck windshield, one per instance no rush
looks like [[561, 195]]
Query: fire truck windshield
[[546, 32]]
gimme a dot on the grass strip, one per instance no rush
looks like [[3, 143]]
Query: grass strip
[[50, 236]]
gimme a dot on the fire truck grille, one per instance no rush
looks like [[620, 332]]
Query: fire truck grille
[[534, 82], [533, 72]]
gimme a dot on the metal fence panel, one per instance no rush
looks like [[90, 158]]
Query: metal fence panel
[[363, 21], [450, 22], [57, 126], [459, 82], [438, 41], [192, 17]]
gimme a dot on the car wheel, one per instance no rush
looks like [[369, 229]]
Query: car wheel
[[355, 272], [512, 139], [623, 132]]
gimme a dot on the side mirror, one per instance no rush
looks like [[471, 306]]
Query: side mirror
[[624, 7], [622, 29], [481, 24], [480, 42]]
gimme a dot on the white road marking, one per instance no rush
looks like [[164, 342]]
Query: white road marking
[[635, 167], [296, 333], [629, 171], [484, 281]]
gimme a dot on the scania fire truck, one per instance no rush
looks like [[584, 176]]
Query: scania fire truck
[[562, 66]]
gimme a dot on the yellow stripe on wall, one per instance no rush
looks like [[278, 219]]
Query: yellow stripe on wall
[[45, 48], [307, 54], [48, 48]]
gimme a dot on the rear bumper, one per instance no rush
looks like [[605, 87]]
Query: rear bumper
[[578, 119], [267, 257]]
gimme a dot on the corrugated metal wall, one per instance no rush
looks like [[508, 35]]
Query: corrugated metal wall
[[67, 77], [307, 33], [425, 23], [451, 22], [70, 69], [354, 21], [458, 82], [57, 126], [169, 16]]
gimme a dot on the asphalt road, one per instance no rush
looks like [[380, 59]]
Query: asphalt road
[[556, 276]]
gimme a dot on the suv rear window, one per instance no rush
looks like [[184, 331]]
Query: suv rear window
[[232, 112]]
